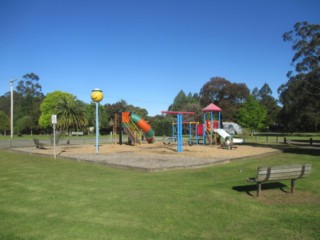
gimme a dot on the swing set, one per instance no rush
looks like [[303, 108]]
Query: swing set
[[179, 124], [192, 130]]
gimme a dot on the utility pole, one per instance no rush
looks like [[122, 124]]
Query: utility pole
[[11, 108]]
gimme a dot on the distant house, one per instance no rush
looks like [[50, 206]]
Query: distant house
[[232, 128]]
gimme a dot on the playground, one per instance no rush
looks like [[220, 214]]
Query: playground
[[209, 145]]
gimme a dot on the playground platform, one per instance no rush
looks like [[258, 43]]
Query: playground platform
[[152, 157]]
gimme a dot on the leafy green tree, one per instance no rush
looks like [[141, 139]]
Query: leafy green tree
[[252, 115], [193, 98], [211, 91], [71, 114], [48, 108], [264, 96], [30, 86], [179, 101], [120, 106], [5, 103], [142, 112], [104, 120], [4, 122], [197, 109], [162, 125], [300, 96], [228, 96], [255, 93], [27, 99], [25, 124]]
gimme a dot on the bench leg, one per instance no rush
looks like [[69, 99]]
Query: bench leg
[[258, 189], [293, 189]]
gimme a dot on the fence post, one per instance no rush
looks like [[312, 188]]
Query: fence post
[[285, 140], [311, 141]]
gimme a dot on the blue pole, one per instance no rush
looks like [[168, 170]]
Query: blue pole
[[204, 129], [179, 126], [173, 132], [97, 128]]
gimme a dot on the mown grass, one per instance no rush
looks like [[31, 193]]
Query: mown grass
[[43, 198]]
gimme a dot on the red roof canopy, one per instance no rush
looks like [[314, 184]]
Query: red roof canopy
[[212, 108]]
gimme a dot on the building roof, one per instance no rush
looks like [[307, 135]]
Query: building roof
[[212, 108]]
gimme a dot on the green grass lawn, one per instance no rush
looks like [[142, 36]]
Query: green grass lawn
[[43, 198]]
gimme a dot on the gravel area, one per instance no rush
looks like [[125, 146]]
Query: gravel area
[[152, 157]]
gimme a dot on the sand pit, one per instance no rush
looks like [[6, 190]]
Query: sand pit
[[153, 157]]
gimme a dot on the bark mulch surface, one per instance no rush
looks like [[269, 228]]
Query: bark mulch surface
[[152, 157]]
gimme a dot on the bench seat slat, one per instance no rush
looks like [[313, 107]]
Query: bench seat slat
[[284, 175], [282, 169]]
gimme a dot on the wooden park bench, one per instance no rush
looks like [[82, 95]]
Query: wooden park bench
[[38, 144], [276, 173]]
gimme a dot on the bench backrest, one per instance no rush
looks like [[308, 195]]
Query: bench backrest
[[283, 172]]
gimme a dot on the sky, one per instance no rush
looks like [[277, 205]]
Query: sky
[[146, 51]]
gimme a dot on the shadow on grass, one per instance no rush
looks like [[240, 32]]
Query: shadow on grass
[[252, 189], [301, 150], [288, 148]]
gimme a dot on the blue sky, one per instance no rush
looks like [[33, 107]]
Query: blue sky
[[145, 52]]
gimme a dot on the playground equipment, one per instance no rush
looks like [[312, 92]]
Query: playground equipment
[[192, 130], [132, 125], [179, 126], [205, 132], [210, 131], [226, 135], [213, 125], [210, 123]]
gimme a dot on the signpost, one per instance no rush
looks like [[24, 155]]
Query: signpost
[[54, 122]]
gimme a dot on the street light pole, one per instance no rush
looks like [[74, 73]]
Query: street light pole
[[97, 127], [11, 108], [97, 96]]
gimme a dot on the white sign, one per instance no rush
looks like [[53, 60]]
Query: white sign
[[54, 119]]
